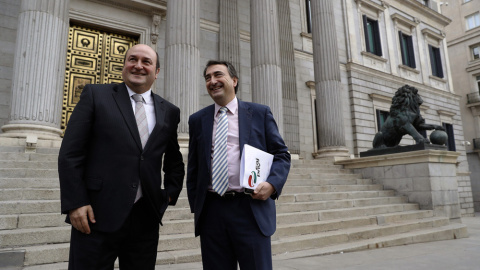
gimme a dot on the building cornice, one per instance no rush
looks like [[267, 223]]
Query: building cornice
[[139, 6], [421, 8]]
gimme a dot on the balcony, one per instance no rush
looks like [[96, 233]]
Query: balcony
[[473, 98]]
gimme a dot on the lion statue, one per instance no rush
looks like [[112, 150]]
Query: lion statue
[[404, 119]]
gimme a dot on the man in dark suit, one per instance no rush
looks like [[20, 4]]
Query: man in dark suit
[[234, 227], [110, 168]]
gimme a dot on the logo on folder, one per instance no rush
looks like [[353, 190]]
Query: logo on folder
[[252, 179]]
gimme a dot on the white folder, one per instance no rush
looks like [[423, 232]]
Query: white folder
[[254, 167]]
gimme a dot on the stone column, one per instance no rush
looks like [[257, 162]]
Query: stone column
[[328, 87], [182, 57], [289, 79], [229, 36], [265, 51], [38, 70]]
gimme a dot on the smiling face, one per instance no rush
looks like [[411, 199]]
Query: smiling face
[[220, 85], [139, 70]]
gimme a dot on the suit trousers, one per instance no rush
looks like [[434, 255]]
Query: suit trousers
[[135, 244], [230, 234]]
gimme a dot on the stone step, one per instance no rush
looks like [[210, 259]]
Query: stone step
[[324, 182], [29, 164], [447, 232], [181, 210], [18, 156], [432, 227], [24, 173], [337, 204], [324, 196], [316, 165], [330, 214], [322, 239], [32, 182], [29, 194], [289, 189], [35, 236], [315, 169], [300, 162], [303, 176], [302, 228], [29, 207], [36, 220]]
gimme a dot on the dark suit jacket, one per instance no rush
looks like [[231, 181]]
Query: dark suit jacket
[[101, 160], [258, 129]]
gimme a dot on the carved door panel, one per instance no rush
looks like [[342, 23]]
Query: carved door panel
[[93, 56]]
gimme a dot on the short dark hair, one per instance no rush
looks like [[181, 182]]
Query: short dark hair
[[157, 64], [231, 69]]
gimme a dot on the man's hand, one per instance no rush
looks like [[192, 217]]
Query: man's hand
[[79, 218], [263, 191]]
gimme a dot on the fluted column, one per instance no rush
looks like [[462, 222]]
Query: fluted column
[[229, 36], [289, 79], [182, 57], [38, 69], [265, 51], [330, 128]]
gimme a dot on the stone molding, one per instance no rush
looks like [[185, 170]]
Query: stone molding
[[433, 156]]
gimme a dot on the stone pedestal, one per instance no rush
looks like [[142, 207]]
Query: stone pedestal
[[427, 177]]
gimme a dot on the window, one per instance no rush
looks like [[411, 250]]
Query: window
[[372, 36], [425, 2], [309, 16], [435, 61], [406, 47], [478, 83], [476, 52], [472, 21], [451, 137], [381, 118]]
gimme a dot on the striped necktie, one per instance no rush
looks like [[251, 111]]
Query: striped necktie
[[220, 164], [141, 118]]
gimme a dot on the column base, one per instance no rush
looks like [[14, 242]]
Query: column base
[[183, 140], [22, 130], [326, 152]]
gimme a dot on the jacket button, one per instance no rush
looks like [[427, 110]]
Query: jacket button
[[134, 185], [141, 157]]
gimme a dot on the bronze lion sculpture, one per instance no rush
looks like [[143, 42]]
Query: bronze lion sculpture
[[404, 119]]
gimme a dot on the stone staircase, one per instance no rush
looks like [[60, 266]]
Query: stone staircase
[[324, 209]]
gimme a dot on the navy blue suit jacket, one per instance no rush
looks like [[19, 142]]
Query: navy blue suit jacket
[[101, 160], [257, 128]]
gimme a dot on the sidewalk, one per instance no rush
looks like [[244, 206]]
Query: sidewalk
[[441, 255]]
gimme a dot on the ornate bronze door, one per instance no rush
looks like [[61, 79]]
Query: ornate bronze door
[[93, 57]]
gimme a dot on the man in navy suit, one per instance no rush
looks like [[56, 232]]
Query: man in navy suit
[[110, 168], [234, 227]]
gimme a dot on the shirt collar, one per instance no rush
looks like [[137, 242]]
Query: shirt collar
[[232, 106], [147, 96]]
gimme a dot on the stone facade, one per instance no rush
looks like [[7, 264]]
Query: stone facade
[[347, 97], [465, 68]]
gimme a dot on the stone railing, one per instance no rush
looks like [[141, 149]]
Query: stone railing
[[473, 97]]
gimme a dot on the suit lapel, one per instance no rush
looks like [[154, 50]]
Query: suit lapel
[[125, 106], [244, 122], [159, 118], [207, 131]]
